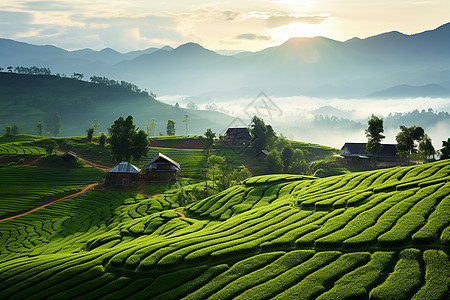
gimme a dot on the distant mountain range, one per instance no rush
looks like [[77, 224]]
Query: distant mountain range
[[391, 64], [25, 99]]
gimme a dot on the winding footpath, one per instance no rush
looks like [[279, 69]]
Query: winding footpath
[[63, 197], [51, 201]]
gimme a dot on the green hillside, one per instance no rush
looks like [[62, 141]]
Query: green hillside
[[381, 234], [25, 99]]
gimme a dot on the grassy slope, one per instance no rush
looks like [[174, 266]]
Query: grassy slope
[[26, 98], [23, 187], [383, 234]]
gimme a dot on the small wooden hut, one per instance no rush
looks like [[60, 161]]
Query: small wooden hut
[[123, 174], [161, 168], [69, 156], [238, 136], [261, 155]]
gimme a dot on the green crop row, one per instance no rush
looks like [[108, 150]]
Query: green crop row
[[13, 149], [299, 274], [405, 279]]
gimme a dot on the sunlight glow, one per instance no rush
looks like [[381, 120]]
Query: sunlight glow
[[283, 33]]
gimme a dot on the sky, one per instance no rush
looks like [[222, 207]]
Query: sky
[[127, 25]]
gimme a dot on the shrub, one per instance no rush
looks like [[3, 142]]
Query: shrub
[[404, 280]]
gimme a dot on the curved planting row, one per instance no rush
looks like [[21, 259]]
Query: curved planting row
[[297, 274], [12, 149], [64, 225], [25, 187], [254, 241]]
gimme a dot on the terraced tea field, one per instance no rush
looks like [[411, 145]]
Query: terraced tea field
[[25, 187], [382, 234]]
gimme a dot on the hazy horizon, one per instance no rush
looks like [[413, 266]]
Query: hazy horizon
[[218, 25], [298, 112]]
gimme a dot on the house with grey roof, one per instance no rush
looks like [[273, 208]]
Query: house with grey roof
[[123, 174], [161, 168], [355, 154]]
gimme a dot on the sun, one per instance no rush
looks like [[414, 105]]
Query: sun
[[283, 33]]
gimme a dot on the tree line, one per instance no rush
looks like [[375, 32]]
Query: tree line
[[28, 70], [93, 79], [410, 140]]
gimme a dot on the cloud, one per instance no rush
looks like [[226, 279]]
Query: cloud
[[231, 15], [47, 6], [279, 20], [253, 36], [11, 17]]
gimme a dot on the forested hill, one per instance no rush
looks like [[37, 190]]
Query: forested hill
[[25, 99]]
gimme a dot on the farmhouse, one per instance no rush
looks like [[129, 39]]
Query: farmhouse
[[261, 155], [355, 154], [69, 155], [123, 174], [238, 136], [161, 168]]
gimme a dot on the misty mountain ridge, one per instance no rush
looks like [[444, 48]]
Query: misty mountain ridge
[[319, 67], [25, 99], [408, 91]]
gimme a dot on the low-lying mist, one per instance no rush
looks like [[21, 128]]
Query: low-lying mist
[[333, 122]]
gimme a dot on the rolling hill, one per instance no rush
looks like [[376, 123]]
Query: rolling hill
[[317, 66], [25, 99], [381, 234]]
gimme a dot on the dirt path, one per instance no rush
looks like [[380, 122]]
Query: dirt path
[[181, 216], [94, 164], [99, 166], [51, 201]]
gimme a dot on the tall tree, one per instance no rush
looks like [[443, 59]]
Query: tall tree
[[374, 135], [39, 127], [273, 162], [121, 141], [186, 120], [7, 130], [215, 163], [407, 138], [90, 133], [210, 136], [286, 157], [170, 128], [445, 151], [95, 125], [15, 129], [263, 136], [54, 124], [102, 139], [140, 145], [298, 164], [426, 148], [153, 126]]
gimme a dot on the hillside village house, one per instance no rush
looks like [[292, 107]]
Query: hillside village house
[[161, 168], [69, 155], [355, 155], [238, 136], [124, 174], [261, 155]]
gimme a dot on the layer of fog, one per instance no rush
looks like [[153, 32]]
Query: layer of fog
[[294, 116]]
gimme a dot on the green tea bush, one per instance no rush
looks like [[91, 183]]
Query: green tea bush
[[437, 276], [314, 284], [405, 279], [358, 283]]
